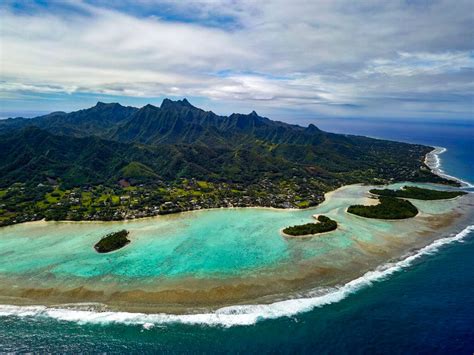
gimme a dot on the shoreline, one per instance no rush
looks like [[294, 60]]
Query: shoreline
[[433, 161], [176, 214], [167, 215], [327, 195]]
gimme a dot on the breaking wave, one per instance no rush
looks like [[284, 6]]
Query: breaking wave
[[434, 163]]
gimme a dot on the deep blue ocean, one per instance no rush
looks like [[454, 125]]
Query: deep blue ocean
[[425, 308]]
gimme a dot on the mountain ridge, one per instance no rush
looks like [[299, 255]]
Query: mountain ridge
[[170, 115], [115, 162], [243, 141]]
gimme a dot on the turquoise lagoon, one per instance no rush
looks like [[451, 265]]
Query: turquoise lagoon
[[228, 255]]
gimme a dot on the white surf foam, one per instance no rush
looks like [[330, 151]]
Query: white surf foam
[[235, 315], [434, 163]]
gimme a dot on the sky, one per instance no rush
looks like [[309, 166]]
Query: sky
[[289, 60]]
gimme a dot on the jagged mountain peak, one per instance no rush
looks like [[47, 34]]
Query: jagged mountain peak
[[173, 122], [168, 103], [312, 128], [100, 104], [149, 107], [252, 114]]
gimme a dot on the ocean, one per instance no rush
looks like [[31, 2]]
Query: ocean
[[423, 304]]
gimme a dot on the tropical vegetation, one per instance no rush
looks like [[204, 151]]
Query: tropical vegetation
[[325, 224], [388, 208], [418, 193], [112, 241]]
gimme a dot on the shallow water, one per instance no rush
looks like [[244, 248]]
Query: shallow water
[[199, 244]]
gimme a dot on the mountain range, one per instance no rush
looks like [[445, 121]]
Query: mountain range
[[110, 142]]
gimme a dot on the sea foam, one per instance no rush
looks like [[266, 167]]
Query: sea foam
[[236, 315]]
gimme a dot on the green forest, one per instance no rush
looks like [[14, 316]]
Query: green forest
[[418, 193], [325, 224], [112, 241]]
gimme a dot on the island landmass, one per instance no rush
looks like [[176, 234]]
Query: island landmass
[[325, 224], [388, 208], [418, 193], [112, 241]]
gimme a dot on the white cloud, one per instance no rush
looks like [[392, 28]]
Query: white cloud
[[273, 53], [411, 64]]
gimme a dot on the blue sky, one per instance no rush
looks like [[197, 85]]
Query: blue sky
[[286, 60]]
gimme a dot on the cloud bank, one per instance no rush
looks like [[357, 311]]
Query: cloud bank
[[330, 58]]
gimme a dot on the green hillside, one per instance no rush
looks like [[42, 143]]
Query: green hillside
[[248, 160]]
